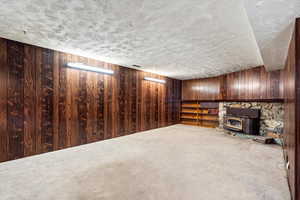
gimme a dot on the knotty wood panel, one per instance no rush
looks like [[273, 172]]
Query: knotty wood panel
[[248, 85], [292, 112], [29, 101], [46, 106], [15, 99]]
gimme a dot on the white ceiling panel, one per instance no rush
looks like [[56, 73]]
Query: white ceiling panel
[[272, 22], [181, 39]]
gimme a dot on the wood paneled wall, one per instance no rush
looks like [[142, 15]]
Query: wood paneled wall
[[254, 84], [46, 106], [292, 112], [202, 89]]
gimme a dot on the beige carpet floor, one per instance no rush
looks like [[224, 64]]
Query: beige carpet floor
[[175, 163]]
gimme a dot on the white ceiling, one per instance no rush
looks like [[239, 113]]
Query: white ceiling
[[272, 22], [181, 39]]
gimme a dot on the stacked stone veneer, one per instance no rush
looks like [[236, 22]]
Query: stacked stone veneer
[[271, 114]]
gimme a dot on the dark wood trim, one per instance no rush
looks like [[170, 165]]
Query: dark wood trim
[[4, 142]]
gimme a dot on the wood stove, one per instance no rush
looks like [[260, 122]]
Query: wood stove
[[242, 120]]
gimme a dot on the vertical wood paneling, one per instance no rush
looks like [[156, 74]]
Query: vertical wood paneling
[[15, 99], [252, 84], [91, 104], [62, 138], [163, 107], [263, 84], [256, 84], [290, 115], [147, 100], [100, 105], [249, 84], [292, 112], [69, 127], [115, 97], [100, 109], [127, 102], [47, 100], [155, 107], [122, 104], [281, 86], [168, 110], [56, 87], [38, 100], [242, 84], [236, 87], [3, 101], [29, 101], [139, 77], [51, 107], [82, 106], [275, 82], [134, 102], [223, 87], [108, 105], [74, 87]]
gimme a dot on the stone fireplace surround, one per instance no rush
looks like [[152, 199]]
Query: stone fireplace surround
[[271, 113]]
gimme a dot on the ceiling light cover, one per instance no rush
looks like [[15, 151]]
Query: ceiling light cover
[[89, 68], [155, 80]]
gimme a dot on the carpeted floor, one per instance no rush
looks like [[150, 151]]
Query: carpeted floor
[[175, 163]]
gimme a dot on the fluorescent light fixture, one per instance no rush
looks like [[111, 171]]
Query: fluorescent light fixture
[[155, 80], [89, 68]]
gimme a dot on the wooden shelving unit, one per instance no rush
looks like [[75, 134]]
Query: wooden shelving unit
[[200, 113]]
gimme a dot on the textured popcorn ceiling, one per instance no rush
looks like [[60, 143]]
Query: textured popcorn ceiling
[[182, 39], [272, 22]]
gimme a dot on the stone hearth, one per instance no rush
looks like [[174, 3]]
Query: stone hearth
[[271, 113]]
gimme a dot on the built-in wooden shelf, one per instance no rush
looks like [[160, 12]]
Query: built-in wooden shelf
[[190, 106], [200, 113]]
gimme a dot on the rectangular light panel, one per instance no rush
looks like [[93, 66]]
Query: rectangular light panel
[[154, 80], [89, 68]]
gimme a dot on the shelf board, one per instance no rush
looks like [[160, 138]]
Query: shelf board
[[199, 113], [192, 118], [186, 106], [199, 119], [189, 112]]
